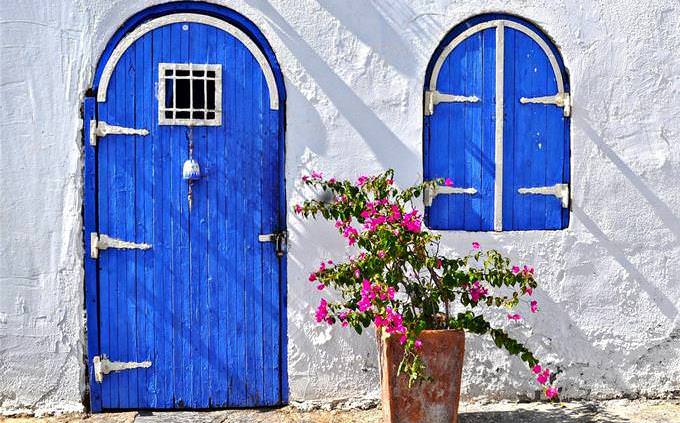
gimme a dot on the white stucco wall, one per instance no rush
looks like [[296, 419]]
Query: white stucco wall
[[354, 74]]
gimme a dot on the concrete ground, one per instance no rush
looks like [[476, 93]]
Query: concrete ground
[[618, 411]]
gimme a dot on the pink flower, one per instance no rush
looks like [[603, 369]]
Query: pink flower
[[514, 317], [379, 321], [322, 311], [448, 182], [320, 287], [534, 306], [389, 181], [529, 269], [551, 392], [351, 234], [515, 269], [411, 221], [475, 245], [343, 315], [395, 214], [357, 273], [418, 344], [330, 261], [364, 304], [312, 277], [403, 339], [477, 292], [543, 377], [344, 324], [439, 263], [537, 369], [390, 293], [317, 175], [298, 209], [381, 254], [529, 291], [331, 181], [362, 180], [305, 178]]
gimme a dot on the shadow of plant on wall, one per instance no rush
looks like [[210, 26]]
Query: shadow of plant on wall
[[582, 413]]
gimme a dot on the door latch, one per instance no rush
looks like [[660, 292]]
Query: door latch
[[279, 238]]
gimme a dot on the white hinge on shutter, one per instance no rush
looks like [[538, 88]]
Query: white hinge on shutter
[[102, 129], [559, 99], [560, 191], [102, 242], [103, 366], [432, 98], [429, 194]]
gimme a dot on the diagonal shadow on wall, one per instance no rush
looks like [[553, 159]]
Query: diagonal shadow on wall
[[662, 210], [665, 305], [386, 146]]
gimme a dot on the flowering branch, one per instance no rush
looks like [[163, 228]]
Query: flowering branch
[[400, 282]]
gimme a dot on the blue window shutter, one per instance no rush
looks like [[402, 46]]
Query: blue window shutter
[[460, 137], [536, 138]]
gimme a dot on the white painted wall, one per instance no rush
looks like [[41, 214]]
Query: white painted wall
[[354, 71]]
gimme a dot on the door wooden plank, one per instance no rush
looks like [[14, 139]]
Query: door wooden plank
[[471, 125], [144, 199], [164, 270], [227, 219], [487, 130], [90, 264], [104, 260], [240, 369], [198, 232], [511, 164], [216, 225], [129, 214]]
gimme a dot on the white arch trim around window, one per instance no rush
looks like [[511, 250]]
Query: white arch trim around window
[[499, 23], [133, 36]]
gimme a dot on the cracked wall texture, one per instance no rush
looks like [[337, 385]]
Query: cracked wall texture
[[354, 74]]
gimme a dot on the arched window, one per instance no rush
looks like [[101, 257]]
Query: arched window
[[497, 116]]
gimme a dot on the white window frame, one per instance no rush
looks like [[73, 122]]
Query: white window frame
[[191, 68]]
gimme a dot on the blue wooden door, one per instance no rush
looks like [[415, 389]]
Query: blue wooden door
[[497, 123], [192, 304]]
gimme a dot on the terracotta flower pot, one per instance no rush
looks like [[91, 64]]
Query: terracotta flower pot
[[433, 401]]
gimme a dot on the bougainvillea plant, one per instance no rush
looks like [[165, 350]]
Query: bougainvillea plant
[[399, 281]]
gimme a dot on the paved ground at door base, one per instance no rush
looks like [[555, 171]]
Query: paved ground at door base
[[618, 411]]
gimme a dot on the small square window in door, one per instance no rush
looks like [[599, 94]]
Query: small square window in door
[[189, 94]]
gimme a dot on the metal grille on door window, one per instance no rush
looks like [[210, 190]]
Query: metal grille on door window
[[189, 94]]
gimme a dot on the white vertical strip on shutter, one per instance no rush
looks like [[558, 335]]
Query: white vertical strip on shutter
[[498, 179]]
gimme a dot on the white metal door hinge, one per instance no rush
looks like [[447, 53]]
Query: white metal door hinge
[[432, 98], [103, 366], [560, 191], [430, 194], [559, 99], [102, 129], [102, 242]]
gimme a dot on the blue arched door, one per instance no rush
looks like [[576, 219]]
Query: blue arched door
[[497, 115], [184, 215]]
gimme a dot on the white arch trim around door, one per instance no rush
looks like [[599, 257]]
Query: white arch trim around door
[[499, 23], [138, 32]]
